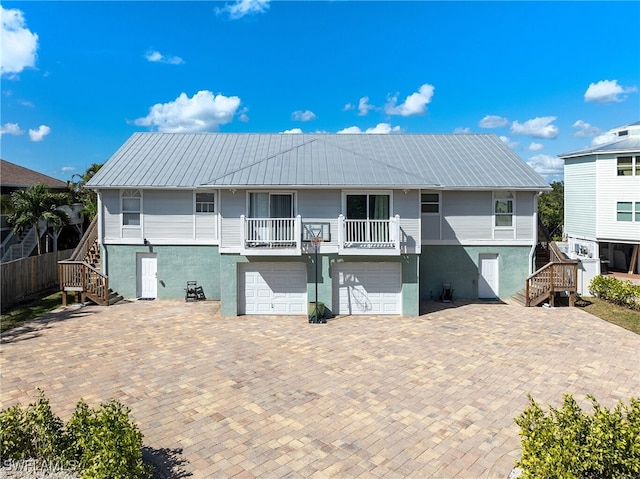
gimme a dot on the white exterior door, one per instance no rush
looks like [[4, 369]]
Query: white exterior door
[[367, 288], [488, 277], [147, 275], [272, 288]]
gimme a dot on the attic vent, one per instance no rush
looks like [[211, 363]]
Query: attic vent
[[623, 133]]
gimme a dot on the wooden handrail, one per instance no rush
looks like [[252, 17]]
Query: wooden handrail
[[553, 277], [88, 239], [81, 276]]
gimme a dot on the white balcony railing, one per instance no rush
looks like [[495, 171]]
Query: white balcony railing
[[367, 235], [267, 235]]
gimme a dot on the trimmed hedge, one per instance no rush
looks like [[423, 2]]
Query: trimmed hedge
[[623, 293], [570, 444], [99, 443]]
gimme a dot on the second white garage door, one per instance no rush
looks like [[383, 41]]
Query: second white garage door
[[367, 288], [272, 288]]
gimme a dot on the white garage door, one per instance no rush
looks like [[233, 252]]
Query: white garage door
[[272, 288], [367, 288]]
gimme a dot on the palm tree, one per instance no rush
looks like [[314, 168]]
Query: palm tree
[[37, 204], [87, 197]]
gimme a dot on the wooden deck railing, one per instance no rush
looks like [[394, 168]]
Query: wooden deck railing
[[552, 278], [83, 278]]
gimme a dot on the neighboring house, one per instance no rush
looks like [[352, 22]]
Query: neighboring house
[[14, 177], [398, 216], [602, 204]]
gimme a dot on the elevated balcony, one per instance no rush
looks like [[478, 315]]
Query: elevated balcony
[[283, 236], [369, 237], [271, 236]]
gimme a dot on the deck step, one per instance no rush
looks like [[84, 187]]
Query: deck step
[[520, 298], [114, 297]]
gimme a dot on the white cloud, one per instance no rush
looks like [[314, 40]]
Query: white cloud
[[379, 129], [350, 129], [546, 165], [604, 139], [39, 134], [462, 131], [157, 57], [18, 44], [10, 129], [493, 121], [306, 115], [364, 106], [202, 112], [292, 131], [67, 169], [242, 8], [607, 91], [584, 129], [414, 104], [535, 146], [349, 107], [383, 129], [242, 115], [511, 144], [539, 127]]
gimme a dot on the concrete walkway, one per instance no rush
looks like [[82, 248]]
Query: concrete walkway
[[424, 397]]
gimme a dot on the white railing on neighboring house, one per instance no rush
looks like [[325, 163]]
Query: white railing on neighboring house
[[19, 246], [270, 233], [369, 234]]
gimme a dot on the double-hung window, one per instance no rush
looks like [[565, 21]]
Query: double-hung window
[[503, 209], [430, 203], [205, 202], [627, 211], [131, 207], [628, 166]]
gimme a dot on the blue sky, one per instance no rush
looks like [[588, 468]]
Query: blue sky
[[78, 78]]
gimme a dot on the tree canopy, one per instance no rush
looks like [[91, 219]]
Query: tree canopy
[[551, 209], [36, 205]]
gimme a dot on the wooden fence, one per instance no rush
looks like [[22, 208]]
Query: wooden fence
[[26, 277]]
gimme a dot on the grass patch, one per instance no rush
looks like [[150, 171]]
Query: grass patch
[[29, 311], [623, 317]]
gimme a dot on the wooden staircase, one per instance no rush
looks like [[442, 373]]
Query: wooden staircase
[[554, 274], [81, 272]]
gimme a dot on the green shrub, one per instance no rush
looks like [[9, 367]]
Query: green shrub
[[570, 444], [32, 433], [623, 293], [103, 443]]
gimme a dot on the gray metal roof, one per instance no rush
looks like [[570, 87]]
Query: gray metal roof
[[188, 160], [622, 145]]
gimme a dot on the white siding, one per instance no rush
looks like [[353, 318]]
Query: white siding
[[611, 190], [467, 215], [430, 227], [168, 215], [580, 197], [232, 206], [111, 215], [321, 206], [407, 205], [524, 215]]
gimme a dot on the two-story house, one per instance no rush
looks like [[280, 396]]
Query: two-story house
[[395, 217], [602, 204]]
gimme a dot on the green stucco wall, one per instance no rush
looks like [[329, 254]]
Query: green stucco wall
[[458, 265], [176, 266]]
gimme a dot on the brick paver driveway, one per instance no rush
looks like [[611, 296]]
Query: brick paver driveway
[[432, 396]]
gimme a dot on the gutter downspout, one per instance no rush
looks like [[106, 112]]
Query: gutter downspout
[[535, 231]]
